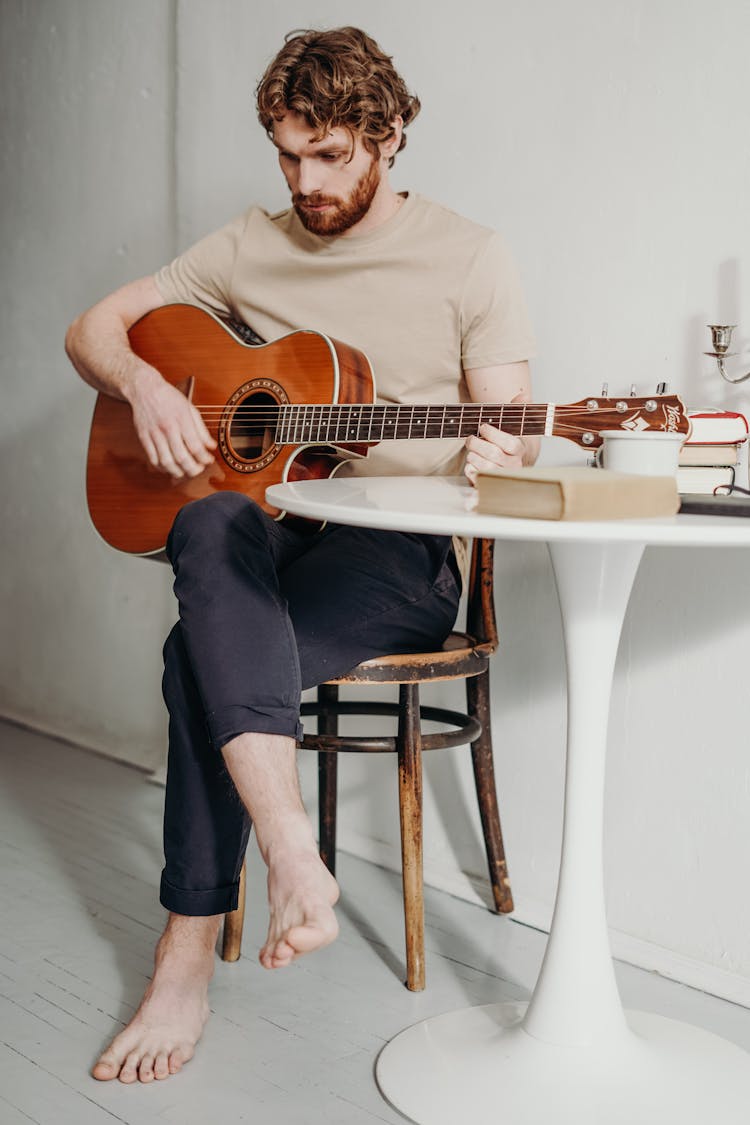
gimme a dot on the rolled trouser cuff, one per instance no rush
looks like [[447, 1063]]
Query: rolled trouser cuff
[[226, 724], [198, 904]]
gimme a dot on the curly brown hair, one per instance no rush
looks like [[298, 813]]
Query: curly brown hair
[[336, 78]]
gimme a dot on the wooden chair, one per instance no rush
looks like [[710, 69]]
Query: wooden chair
[[463, 656]]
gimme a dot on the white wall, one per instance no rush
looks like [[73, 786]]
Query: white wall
[[607, 141], [87, 111]]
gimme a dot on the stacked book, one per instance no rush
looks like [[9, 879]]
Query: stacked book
[[710, 456]]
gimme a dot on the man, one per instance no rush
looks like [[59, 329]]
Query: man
[[434, 301]]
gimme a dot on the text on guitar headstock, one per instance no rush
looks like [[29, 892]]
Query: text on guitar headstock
[[584, 421]]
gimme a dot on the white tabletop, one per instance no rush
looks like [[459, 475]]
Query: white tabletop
[[441, 505]]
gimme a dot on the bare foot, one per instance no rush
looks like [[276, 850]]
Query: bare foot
[[301, 896], [164, 1031]]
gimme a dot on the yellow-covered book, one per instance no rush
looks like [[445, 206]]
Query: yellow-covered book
[[575, 492]]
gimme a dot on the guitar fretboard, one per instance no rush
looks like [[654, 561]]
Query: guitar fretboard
[[347, 423]]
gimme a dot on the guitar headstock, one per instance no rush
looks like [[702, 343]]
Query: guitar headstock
[[583, 421]]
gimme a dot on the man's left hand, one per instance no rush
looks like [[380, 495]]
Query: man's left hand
[[493, 449]]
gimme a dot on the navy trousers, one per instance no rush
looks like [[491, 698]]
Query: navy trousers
[[265, 612]]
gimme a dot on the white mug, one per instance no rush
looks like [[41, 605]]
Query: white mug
[[645, 452]]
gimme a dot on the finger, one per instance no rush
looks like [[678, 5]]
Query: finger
[[509, 443], [197, 444], [165, 460], [179, 454], [188, 464], [494, 452], [202, 430], [498, 460], [150, 450]]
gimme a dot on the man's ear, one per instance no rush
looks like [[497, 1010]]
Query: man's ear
[[389, 147]]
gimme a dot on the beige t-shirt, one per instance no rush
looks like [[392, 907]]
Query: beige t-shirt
[[426, 295]]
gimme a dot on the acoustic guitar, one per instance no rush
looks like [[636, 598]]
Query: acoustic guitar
[[291, 410]]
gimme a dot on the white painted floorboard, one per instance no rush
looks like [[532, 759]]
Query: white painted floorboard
[[80, 856]]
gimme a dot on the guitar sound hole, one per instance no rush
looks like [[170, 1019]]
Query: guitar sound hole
[[251, 431], [247, 431]]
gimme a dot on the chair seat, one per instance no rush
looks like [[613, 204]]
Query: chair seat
[[460, 656]]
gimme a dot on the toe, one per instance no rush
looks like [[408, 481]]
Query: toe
[[277, 955], [105, 1069], [161, 1065], [146, 1069], [176, 1059], [129, 1070], [303, 939]]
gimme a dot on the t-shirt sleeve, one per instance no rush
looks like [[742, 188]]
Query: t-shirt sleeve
[[203, 274], [495, 325]]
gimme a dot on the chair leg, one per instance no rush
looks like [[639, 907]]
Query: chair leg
[[234, 922], [478, 706], [410, 809], [328, 695]]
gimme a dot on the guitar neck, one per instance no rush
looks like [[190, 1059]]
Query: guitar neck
[[351, 422]]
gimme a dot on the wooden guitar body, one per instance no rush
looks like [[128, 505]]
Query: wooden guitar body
[[133, 505]]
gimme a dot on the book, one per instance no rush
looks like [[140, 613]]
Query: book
[[704, 478], [725, 453], [700, 505], [574, 492], [716, 427]]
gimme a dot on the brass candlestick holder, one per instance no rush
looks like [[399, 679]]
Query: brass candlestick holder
[[721, 338]]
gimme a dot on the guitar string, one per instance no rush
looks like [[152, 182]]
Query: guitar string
[[517, 406], [309, 416]]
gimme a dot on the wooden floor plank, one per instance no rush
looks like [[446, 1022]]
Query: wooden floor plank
[[80, 857]]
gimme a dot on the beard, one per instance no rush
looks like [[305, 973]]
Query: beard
[[343, 214]]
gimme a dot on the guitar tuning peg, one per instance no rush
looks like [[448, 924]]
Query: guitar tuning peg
[[632, 390], [661, 388], [605, 390]]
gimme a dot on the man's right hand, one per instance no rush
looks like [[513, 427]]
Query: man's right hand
[[169, 427]]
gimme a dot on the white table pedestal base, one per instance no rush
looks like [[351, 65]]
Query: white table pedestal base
[[478, 1065], [573, 1056]]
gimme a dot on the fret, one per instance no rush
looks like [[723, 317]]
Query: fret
[[455, 413], [342, 424]]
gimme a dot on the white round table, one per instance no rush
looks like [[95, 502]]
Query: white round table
[[572, 1056]]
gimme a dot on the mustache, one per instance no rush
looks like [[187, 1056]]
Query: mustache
[[317, 199]]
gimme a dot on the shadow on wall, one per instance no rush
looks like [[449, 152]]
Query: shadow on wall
[[704, 384], [682, 600], [88, 623]]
